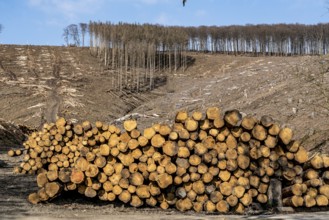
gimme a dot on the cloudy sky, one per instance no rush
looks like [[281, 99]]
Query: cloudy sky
[[41, 22]]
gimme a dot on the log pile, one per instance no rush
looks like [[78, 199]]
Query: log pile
[[311, 187], [202, 162]]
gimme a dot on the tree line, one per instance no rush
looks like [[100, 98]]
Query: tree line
[[135, 52], [266, 39]]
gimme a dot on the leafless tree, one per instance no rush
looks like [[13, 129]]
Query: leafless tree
[[74, 34], [66, 35], [71, 35], [83, 30]]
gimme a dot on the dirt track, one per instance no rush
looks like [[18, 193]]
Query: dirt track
[[34, 90]]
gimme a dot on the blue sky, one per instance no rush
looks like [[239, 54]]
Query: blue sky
[[41, 22]]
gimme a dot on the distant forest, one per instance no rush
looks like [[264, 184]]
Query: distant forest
[[135, 49], [277, 39]]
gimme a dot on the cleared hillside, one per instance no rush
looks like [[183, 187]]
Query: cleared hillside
[[39, 83]]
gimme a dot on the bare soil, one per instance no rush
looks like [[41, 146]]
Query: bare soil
[[39, 83]]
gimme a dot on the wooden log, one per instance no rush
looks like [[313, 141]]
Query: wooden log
[[238, 191], [136, 201], [143, 191], [183, 134], [78, 129], [262, 198], [301, 156], [286, 135], [231, 165], [289, 173], [149, 133], [265, 151], [239, 208], [134, 133], [181, 192], [92, 170], [254, 181], [233, 117], [136, 179], [271, 141], [316, 162], [313, 183], [311, 174], [43, 196], [236, 131], [295, 189], [293, 146], [196, 115], [324, 190], [232, 200], [130, 125], [191, 125], [53, 189], [215, 196], [245, 137], [248, 122], [226, 189], [259, 132], [11, 153], [222, 206], [309, 201], [213, 113], [231, 142], [263, 187], [294, 201], [274, 129], [224, 175], [164, 180], [313, 192], [34, 198], [246, 200], [218, 123], [184, 204], [170, 148], [267, 121], [157, 140], [64, 175], [197, 207], [325, 159], [181, 116], [151, 201], [321, 200], [42, 180], [77, 176]]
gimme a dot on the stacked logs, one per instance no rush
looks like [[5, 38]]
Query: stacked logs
[[203, 162], [14, 152], [311, 187]]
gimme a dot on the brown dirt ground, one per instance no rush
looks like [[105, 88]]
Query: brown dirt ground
[[38, 83]]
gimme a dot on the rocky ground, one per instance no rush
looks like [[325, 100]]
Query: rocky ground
[[37, 84]]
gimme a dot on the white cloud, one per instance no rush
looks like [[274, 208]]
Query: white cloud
[[69, 8]]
